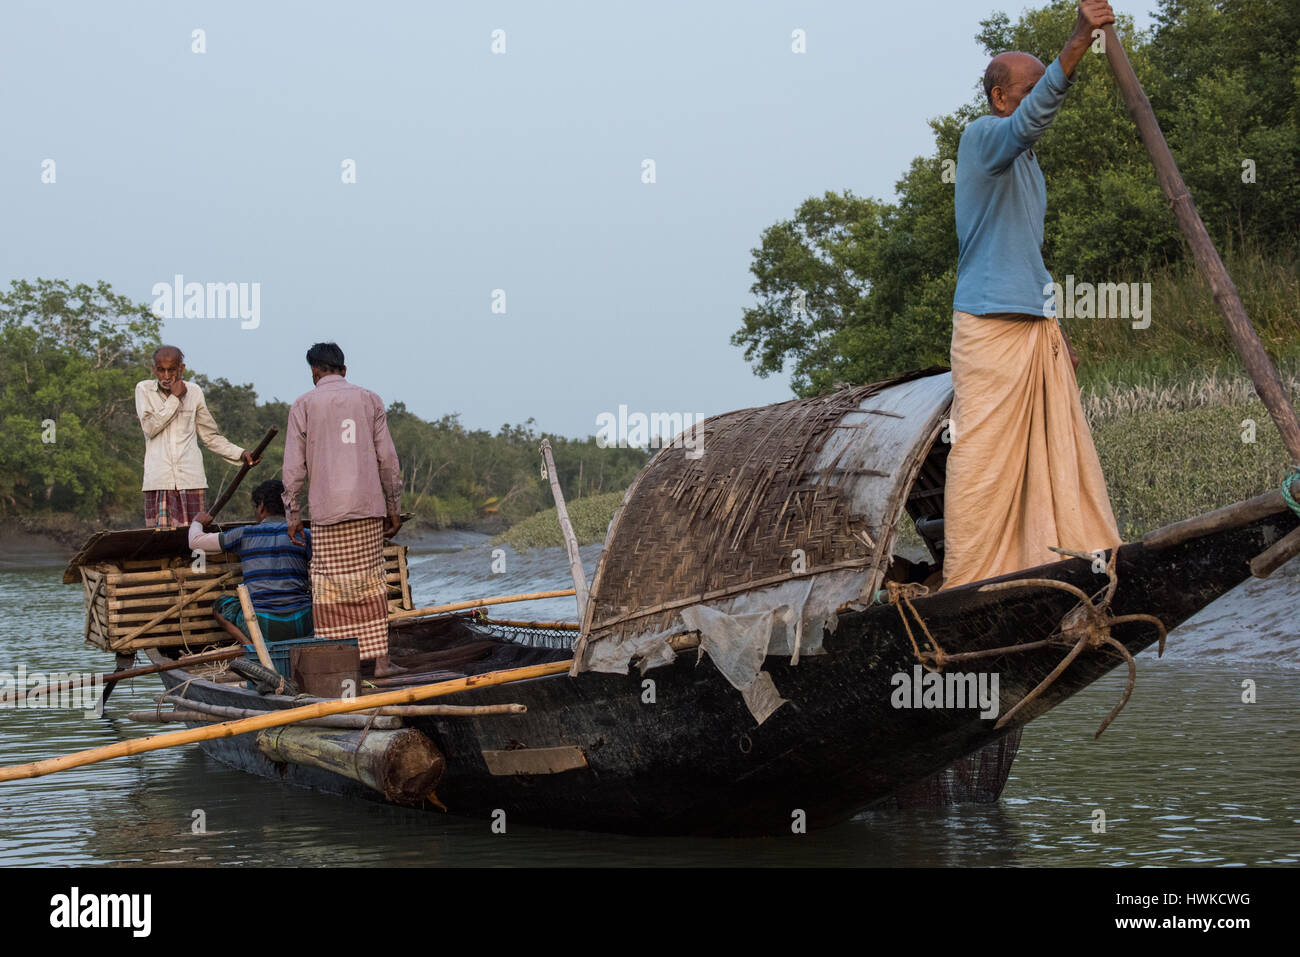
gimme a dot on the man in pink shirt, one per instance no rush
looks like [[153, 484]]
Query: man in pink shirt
[[338, 443]]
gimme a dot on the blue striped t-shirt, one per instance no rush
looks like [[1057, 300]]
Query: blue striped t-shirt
[[275, 570]]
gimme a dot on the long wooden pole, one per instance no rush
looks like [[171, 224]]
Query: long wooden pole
[[478, 602], [243, 470], [1268, 384], [566, 529], [112, 677], [229, 729]]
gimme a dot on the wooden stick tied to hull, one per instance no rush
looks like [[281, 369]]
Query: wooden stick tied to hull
[[35, 769], [221, 654], [1221, 519]]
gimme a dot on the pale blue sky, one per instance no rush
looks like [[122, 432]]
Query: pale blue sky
[[475, 172]]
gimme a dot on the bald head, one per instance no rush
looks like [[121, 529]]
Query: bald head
[[1008, 79], [168, 352]]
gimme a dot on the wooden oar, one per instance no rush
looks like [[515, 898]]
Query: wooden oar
[[1268, 384], [229, 729], [477, 602], [112, 677], [243, 470]]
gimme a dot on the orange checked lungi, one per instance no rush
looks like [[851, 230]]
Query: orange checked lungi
[[349, 597]]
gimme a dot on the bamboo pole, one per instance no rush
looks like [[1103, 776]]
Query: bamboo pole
[[566, 529], [542, 625], [225, 712], [450, 710], [255, 629], [229, 729], [477, 603], [185, 600]]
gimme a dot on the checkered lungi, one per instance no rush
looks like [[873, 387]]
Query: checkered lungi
[[349, 598], [173, 507]]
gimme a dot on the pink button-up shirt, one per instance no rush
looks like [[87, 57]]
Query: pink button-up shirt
[[338, 443]]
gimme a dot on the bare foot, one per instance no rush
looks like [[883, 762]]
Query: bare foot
[[384, 667]]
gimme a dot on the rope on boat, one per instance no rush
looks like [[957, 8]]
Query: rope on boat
[[900, 594], [1085, 626], [1287, 496]]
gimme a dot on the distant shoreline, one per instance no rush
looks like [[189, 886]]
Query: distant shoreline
[[53, 538]]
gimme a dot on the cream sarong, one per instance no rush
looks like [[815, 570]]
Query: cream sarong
[[1023, 473]]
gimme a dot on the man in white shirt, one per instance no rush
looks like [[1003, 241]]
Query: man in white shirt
[[173, 415]]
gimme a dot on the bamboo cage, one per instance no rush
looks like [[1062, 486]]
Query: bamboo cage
[[124, 595]]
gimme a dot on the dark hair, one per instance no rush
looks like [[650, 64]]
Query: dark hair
[[180, 356], [327, 357], [271, 495], [998, 73]]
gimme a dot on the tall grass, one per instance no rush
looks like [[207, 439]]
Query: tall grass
[[1187, 338]]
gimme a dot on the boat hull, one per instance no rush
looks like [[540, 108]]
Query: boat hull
[[675, 751]]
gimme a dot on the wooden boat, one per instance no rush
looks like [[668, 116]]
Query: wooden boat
[[735, 671]]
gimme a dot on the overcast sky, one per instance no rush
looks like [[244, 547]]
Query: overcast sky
[[475, 171]]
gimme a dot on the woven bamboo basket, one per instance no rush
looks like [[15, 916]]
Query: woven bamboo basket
[[124, 595]]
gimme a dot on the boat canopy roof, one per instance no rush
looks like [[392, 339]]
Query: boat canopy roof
[[756, 532]]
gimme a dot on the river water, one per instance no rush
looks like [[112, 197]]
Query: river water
[[1187, 775]]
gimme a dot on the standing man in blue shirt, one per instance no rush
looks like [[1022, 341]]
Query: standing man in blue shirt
[[1023, 473]]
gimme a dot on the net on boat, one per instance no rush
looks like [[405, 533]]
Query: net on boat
[[529, 635], [977, 778]]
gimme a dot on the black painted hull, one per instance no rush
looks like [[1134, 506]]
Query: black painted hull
[[694, 762]]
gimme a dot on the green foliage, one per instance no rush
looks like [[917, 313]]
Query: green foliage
[[590, 518], [453, 475], [1223, 77], [70, 356], [73, 355], [243, 421]]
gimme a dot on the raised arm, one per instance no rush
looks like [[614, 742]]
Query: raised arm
[[1001, 141], [1093, 15], [211, 436]]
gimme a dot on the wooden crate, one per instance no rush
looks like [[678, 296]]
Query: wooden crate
[[122, 597]]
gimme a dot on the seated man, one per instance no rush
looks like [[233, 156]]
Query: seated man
[[275, 569]]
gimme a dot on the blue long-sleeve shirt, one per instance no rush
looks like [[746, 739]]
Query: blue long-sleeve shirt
[[1001, 199]]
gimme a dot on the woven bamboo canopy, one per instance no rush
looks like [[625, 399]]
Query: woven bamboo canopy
[[790, 512]]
